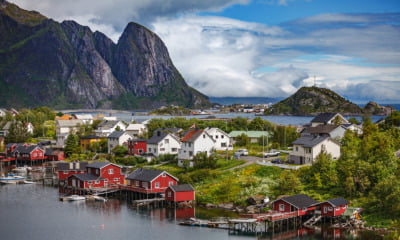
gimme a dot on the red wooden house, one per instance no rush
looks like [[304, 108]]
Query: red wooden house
[[66, 169], [180, 193], [109, 171], [54, 155], [300, 204], [137, 146], [86, 181], [333, 207], [98, 175], [28, 154], [150, 180]]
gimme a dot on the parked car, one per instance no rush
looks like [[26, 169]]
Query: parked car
[[272, 153], [277, 161], [242, 152]]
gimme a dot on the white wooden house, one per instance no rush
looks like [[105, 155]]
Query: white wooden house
[[195, 141], [163, 143], [106, 127], [222, 139], [117, 138], [64, 128]]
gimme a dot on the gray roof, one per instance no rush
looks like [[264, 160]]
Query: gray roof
[[182, 188], [309, 141], [157, 137], [65, 166], [324, 117], [321, 129], [299, 201], [26, 149], [10, 145], [146, 175], [98, 164], [107, 124], [116, 134], [338, 201], [87, 177]]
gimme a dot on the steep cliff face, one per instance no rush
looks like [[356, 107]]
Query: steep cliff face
[[314, 100], [43, 62]]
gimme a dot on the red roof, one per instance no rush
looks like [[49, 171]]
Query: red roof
[[191, 133]]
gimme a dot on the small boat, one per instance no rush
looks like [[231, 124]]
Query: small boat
[[73, 198], [23, 169], [99, 198], [12, 179], [28, 182]]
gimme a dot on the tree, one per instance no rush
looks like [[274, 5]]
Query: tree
[[201, 160], [17, 133], [242, 140], [120, 151], [288, 183], [72, 145]]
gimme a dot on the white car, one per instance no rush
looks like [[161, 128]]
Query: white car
[[272, 153], [242, 152]]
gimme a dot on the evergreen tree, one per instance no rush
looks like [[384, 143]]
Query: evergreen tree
[[17, 133], [72, 145]]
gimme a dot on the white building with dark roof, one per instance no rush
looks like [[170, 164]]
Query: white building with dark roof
[[222, 139], [117, 138], [163, 143], [328, 118], [106, 127], [307, 148], [195, 141]]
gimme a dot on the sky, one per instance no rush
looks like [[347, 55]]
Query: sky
[[261, 48]]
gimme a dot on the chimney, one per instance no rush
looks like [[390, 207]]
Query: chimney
[[158, 133]]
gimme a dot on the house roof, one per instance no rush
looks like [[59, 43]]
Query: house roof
[[26, 149], [251, 134], [334, 202], [108, 124], [182, 188], [116, 134], [69, 123], [325, 117], [157, 137], [212, 131], [299, 201], [310, 141], [135, 126], [146, 175], [87, 177], [321, 129], [99, 164], [191, 135], [65, 166], [84, 116], [10, 145]]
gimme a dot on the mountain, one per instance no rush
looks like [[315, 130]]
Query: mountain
[[66, 65], [314, 100]]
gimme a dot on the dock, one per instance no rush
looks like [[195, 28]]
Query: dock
[[147, 202]]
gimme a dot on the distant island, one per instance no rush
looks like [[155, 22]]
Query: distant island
[[314, 100]]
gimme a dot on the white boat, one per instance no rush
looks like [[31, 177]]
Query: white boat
[[12, 179], [28, 182], [99, 198], [23, 169], [75, 198]]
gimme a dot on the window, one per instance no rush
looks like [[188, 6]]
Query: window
[[222, 136], [304, 209], [157, 185], [204, 136], [97, 171], [281, 207], [162, 149], [337, 208], [166, 141], [34, 154], [170, 183], [89, 182], [190, 144], [216, 136], [330, 209], [105, 180], [110, 171], [97, 182], [144, 184], [149, 149], [169, 194], [164, 174], [297, 149], [174, 149], [136, 183], [65, 172], [116, 179], [140, 150], [190, 153], [223, 144]]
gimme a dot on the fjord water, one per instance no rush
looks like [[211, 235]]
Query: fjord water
[[33, 211]]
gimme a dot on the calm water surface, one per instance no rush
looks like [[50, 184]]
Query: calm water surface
[[33, 211]]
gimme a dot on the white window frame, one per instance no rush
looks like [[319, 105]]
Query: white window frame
[[281, 207], [156, 185], [111, 171]]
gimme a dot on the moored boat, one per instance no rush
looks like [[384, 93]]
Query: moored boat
[[12, 179], [73, 198]]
